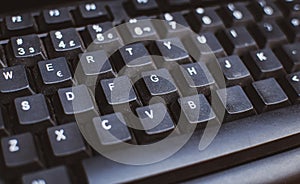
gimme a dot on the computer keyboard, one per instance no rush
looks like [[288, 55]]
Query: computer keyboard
[[106, 60]]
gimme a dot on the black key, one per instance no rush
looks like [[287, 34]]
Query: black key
[[27, 50], [264, 64], [290, 8], [205, 20], [103, 36], [55, 18], [268, 34], [14, 81], [290, 54], [91, 12], [291, 26], [235, 103], [19, 24], [94, 66], [74, 101], [293, 89], [178, 3], [111, 129], [156, 122], [268, 95], [33, 113], [4, 131], [234, 14], [66, 143], [138, 7], [117, 94], [49, 176], [20, 154], [155, 85], [55, 73], [65, 43], [265, 9], [234, 70], [237, 40]]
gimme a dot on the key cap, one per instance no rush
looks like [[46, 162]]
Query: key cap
[[290, 8], [265, 10], [235, 102], [290, 54], [3, 128], [32, 113], [26, 50], [117, 94], [91, 12], [293, 87], [207, 20], [94, 66], [291, 27], [55, 18], [142, 7], [268, 34], [49, 176], [14, 82], [19, 24], [267, 95], [66, 144], [64, 43], [111, 129], [73, 101], [156, 123], [20, 154], [54, 74], [264, 64], [103, 36], [237, 40]]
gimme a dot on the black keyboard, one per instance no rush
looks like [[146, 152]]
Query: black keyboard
[[145, 91]]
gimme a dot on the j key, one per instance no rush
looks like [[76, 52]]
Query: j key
[[27, 50], [205, 20], [55, 18], [65, 43], [49, 176], [172, 50], [264, 64], [291, 26], [20, 154], [91, 12], [119, 95], [19, 24], [196, 78], [137, 30], [204, 47], [103, 36], [173, 25], [235, 103], [294, 84], [237, 40], [290, 54], [235, 14], [265, 9], [94, 66], [157, 84], [33, 113], [268, 95], [14, 82], [234, 70], [55, 73], [66, 141], [111, 129], [156, 122], [74, 101], [138, 7], [3, 128]]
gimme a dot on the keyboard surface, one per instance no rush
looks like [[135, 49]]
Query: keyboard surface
[[144, 91]]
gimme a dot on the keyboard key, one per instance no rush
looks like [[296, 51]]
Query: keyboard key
[[156, 122], [235, 102], [265, 10], [19, 24], [293, 87], [138, 7], [55, 18], [237, 40], [27, 50], [20, 154], [290, 8], [49, 176], [65, 43], [91, 12], [264, 64], [291, 26], [111, 129], [66, 144], [33, 113], [268, 95], [290, 54]]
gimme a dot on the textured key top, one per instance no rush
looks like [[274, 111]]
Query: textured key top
[[19, 24], [265, 9], [111, 129], [290, 54], [91, 12], [27, 50], [264, 64], [268, 95], [293, 85], [33, 113], [55, 18], [138, 7], [50, 176], [235, 102]]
